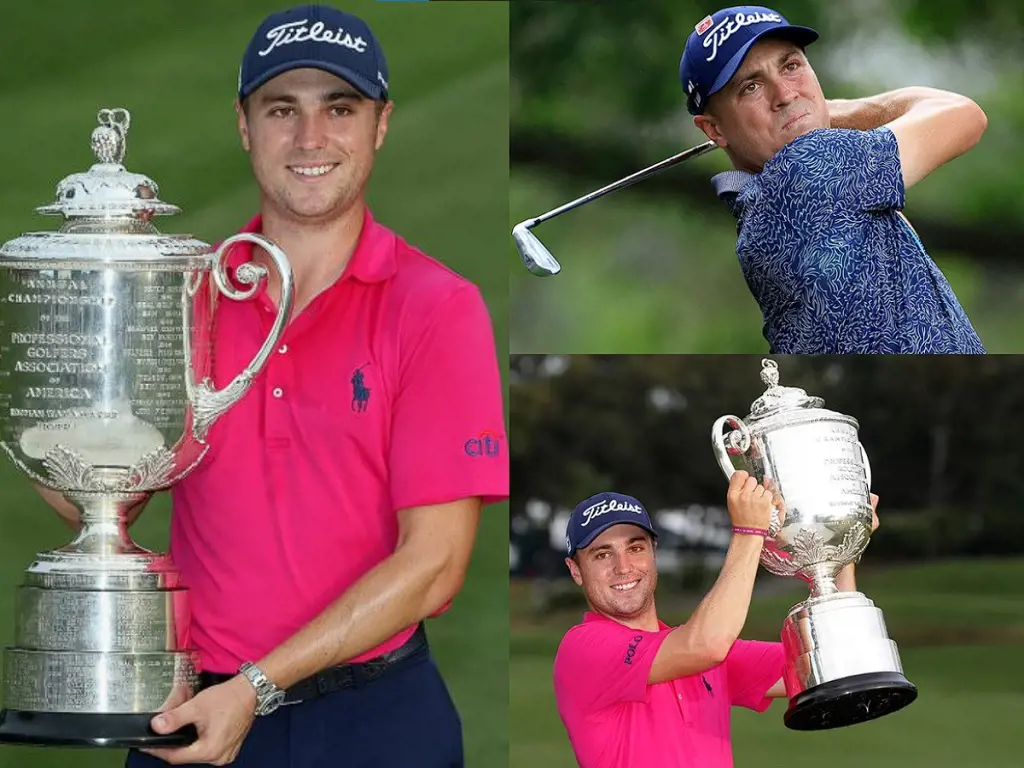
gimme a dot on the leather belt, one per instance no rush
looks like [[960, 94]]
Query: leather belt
[[341, 677]]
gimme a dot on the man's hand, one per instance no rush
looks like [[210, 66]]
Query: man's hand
[[223, 715], [846, 581], [749, 503]]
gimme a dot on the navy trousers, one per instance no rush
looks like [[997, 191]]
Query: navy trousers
[[403, 719]]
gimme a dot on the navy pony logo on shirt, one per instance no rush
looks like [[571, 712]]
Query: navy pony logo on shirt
[[360, 392]]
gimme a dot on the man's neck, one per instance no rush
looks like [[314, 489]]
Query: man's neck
[[318, 253], [647, 621]]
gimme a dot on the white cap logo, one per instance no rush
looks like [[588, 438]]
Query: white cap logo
[[604, 507], [728, 27], [300, 32]]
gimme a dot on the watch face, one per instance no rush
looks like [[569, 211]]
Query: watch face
[[272, 702]]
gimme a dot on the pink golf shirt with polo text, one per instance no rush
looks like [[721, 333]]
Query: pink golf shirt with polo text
[[614, 719], [384, 393]]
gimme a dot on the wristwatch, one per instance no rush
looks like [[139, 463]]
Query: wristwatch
[[268, 696]]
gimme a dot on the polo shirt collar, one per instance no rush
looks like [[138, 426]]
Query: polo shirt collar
[[373, 260], [595, 616], [728, 186]]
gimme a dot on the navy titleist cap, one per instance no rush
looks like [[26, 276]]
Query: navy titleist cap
[[319, 37], [719, 43], [600, 512]]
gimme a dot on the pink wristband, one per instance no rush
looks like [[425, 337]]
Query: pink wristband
[[762, 532]]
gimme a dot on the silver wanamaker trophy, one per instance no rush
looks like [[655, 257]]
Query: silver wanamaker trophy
[[106, 395], [841, 666]]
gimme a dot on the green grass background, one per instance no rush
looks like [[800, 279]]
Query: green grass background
[[957, 625], [441, 182]]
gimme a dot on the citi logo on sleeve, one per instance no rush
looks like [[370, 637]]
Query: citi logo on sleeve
[[631, 649], [487, 444]]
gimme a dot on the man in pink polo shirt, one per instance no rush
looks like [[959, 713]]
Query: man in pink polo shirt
[[338, 505], [633, 691]]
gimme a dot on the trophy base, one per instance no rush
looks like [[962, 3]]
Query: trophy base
[[72, 729], [849, 701]]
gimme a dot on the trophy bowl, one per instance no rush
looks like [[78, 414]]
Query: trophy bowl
[[841, 666], [106, 395]]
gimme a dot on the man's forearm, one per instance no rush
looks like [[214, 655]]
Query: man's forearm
[[846, 580], [707, 637], [871, 112], [722, 613], [401, 591]]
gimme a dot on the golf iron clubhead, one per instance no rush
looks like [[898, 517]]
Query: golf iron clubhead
[[538, 259]]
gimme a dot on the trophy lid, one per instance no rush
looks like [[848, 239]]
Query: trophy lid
[[108, 189], [107, 212], [778, 398]]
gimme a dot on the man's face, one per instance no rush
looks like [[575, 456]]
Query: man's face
[[311, 139], [617, 572], [773, 98]]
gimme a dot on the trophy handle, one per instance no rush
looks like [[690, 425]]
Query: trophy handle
[[867, 464], [738, 442], [210, 403]]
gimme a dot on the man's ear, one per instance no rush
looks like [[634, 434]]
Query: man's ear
[[383, 113], [709, 125], [574, 571], [243, 125]]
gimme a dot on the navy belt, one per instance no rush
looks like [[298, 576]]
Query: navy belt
[[341, 677]]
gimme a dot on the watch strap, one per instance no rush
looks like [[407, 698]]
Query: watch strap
[[268, 696]]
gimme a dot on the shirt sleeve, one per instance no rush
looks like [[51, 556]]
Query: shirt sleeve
[[839, 169], [448, 438], [602, 664], [752, 668]]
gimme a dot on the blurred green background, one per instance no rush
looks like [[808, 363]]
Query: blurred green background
[[441, 182], [946, 566], [595, 97]]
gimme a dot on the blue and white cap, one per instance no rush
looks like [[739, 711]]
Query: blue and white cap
[[319, 37], [719, 43], [600, 512]]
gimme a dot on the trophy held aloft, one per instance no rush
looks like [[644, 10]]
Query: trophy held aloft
[[841, 667]]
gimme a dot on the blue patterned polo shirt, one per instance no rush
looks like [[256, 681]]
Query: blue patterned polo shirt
[[833, 264]]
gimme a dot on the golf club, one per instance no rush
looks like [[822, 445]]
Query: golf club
[[538, 259]]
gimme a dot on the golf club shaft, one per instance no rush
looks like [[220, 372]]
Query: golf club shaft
[[668, 162]]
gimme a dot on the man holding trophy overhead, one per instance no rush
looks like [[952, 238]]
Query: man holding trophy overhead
[[632, 690], [339, 502]]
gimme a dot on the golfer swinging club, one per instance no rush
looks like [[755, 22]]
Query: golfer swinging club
[[633, 691], [818, 188]]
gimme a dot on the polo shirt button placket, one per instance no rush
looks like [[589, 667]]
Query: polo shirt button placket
[[279, 415]]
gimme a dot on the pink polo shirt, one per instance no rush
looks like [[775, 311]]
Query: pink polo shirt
[[383, 394], [616, 720]]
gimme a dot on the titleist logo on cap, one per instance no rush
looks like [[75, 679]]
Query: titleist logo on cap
[[728, 27], [603, 507], [300, 32]]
